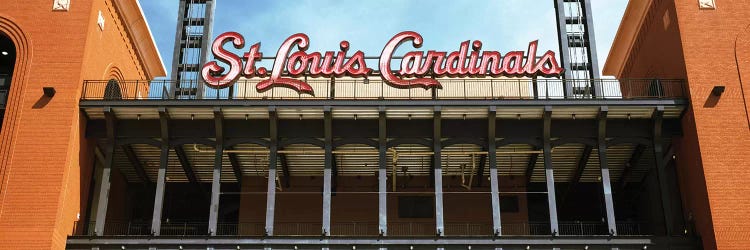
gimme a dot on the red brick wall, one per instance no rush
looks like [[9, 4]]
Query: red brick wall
[[658, 52], [711, 156], [45, 161], [722, 130]]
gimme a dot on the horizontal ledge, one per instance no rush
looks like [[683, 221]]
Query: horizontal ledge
[[376, 103], [503, 240]]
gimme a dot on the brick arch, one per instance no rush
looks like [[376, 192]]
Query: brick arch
[[10, 29], [113, 72]]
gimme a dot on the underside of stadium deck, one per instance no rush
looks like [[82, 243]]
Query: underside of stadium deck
[[337, 172]]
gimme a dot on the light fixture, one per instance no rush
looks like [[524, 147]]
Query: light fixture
[[628, 116], [574, 116], [519, 116], [355, 117], [192, 117], [717, 90], [138, 117], [5, 53], [49, 91]]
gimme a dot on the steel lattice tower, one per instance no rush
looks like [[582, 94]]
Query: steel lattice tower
[[194, 27], [575, 27]]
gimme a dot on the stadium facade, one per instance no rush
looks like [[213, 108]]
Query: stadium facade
[[461, 149]]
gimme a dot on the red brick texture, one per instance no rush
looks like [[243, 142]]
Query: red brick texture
[[46, 161], [708, 47], [723, 132]]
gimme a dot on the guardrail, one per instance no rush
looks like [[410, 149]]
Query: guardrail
[[360, 229], [364, 89]]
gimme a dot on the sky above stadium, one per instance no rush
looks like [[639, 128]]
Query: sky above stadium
[[502, 25]]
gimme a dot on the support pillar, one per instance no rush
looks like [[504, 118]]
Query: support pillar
[[273, 150], [162, 174], [109, 151], [327, 178], [492, 156], [603, 165], [661, 165], [438, 171], [548, 173], [382, 174], [213, 216]]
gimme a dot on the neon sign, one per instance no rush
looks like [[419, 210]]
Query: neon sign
[[417, 69]]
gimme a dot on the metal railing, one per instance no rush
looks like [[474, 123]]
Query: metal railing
[[360, 229], [240, 228], [184, 228], [113, 228], [363, 89]]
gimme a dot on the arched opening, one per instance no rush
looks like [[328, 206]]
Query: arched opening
[[112, 90], [7, 64]]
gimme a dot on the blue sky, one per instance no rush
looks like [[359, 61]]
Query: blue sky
[[501, 25]]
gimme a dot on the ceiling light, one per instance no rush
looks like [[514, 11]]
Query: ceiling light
[[5, 53]]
